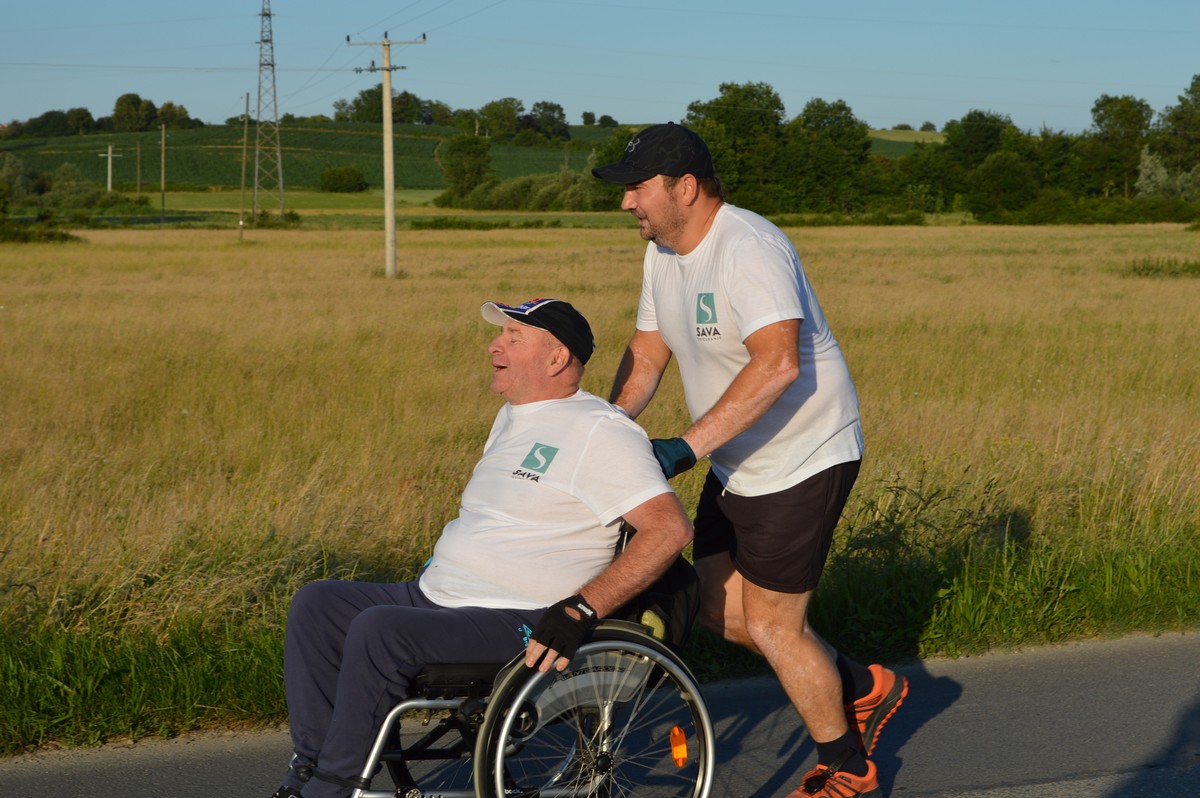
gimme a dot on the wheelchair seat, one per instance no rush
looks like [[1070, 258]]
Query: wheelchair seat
[[454, 680]]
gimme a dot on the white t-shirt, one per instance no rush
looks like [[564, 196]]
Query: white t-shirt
[[743, 276], [540, 515]]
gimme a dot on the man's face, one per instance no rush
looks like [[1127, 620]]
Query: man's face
[[521, 358], [659, 213]]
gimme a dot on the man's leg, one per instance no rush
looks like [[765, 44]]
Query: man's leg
[[778, 625], [385, 647], [759, 560], [319, 618], [775, 626]]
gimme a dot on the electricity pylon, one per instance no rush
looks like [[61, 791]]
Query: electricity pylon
[[268, 162]]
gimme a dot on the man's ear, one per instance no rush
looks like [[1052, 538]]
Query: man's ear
[[689, 189], [559, 359]]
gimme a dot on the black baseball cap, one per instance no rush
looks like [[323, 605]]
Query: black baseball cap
[[554, 316], [668, 149]]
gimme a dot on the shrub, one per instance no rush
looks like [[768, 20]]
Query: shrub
[[548, 193], [266, 220], [529, 138], [1054, 206], [18, 233], [342, 180], [513, 195]]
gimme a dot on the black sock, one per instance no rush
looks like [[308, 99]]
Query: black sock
[[857, 681], [828, 753]]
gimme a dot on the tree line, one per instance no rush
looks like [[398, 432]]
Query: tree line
[[505, 119], [1132, 164], [131, 114]]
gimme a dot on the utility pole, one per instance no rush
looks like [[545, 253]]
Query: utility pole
[[245, 145], [389, 163], [162, 214], [110, 156]]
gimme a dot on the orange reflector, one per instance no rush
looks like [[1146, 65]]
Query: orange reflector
[[679, 748]]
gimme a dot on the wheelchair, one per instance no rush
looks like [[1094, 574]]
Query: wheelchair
[[625, 718]]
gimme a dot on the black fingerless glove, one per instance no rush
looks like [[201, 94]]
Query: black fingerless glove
[[559, 631], [674, 455]]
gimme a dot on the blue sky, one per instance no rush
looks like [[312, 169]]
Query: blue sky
[[1040, 63]]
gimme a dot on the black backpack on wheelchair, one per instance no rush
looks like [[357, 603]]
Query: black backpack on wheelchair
[[670, 605]]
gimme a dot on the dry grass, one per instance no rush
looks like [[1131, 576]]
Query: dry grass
[[174, 399], [970, 343]]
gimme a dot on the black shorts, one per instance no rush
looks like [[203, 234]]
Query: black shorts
[[778, 541]]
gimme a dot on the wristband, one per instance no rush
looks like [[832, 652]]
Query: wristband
[[674, 455]]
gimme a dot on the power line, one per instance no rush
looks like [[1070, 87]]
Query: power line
[[154, 68]]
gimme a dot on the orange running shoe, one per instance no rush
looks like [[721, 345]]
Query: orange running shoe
[[823, 782], [869, 713]]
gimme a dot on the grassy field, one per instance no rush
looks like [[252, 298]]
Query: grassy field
[[193, 427], [895, 143], [909, 136], [317, 212], [303, 201]]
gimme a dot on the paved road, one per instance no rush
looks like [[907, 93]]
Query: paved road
[[1112, 719]]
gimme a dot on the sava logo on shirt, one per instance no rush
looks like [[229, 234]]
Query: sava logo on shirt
[[536, 462], [706, 318]]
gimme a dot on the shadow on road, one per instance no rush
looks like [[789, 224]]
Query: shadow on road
[[1183, 751], [928, 697], [759, 730]]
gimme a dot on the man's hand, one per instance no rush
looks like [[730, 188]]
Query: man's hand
[[563, 628], [674, 455]]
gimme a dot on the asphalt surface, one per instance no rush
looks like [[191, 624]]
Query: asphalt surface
[[1101, 719]]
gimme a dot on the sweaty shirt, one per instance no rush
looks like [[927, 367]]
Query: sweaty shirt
[[539, 516]]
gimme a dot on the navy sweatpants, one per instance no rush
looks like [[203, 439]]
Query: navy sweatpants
[[351, 651]]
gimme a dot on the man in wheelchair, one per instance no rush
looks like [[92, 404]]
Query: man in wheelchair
[[528, 564]]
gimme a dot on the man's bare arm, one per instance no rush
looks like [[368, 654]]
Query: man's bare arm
[[774, 365], [641, 369], [663, 531]]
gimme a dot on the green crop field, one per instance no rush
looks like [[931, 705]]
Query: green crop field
[[895, 143], [212, 157], [193, 427]]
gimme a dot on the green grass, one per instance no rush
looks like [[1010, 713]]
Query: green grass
[[909, 136], [87, 687], [364, 211], [302, 200], [961, 578], [897, 143]]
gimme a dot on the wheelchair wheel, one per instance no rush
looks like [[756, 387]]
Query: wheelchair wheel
[[625, 718]]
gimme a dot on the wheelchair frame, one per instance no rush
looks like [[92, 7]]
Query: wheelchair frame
[[625, 717]]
